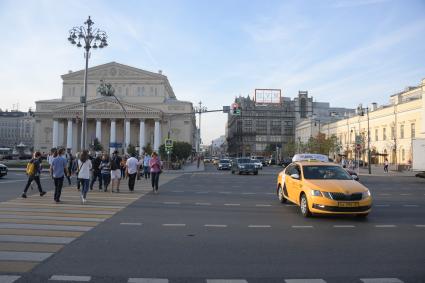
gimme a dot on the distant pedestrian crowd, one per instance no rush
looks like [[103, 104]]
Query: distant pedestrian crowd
[[87, 170]]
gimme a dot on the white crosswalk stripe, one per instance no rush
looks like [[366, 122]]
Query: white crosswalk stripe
[[305, 281], [70, 278], [9, 278], [381, 280], [147, 280]]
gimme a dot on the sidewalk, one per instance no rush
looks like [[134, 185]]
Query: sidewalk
[[379, 171], [188, 168]]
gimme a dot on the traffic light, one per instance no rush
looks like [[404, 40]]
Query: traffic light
[[235, 109]]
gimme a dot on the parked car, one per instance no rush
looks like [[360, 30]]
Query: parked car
[[3, 170], [261, 159], [224, 164], [243, 165], [258, 164]]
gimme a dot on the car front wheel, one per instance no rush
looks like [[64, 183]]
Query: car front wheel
[[305, 211], [280, 195]]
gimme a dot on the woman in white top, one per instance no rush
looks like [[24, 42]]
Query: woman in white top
[[84, 168]]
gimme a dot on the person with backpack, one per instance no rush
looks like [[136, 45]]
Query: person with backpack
[[33, 171], [84, 168], [115, 171], [70, 163]]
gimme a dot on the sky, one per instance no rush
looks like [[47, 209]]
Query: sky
[[344, 52]]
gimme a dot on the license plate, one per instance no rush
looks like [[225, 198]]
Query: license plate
[[348, 204]]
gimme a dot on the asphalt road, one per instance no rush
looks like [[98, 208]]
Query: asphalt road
[[214, 225]]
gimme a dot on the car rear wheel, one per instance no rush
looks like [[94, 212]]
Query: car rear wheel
[[256, 173], [305, 211], [280, 195]]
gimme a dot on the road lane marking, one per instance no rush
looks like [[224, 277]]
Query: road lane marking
[[386, 226], [226, 281], [381, 280], [382, 205], [248, 193], [384, 194], [259, 226], [147, 280], [44, 227], [215, 225], [9, 278], [307, 280], [177, 191], [344, 226], [131, 223], [301, 226], [420, 226], [171, 202], [70, 278], [405, 194], [201, 192], [263, 205], [24, 256], [36, 239], [411, 205], [224, 192], [42, 217], [232, 204], [202, 203], [174, 225]]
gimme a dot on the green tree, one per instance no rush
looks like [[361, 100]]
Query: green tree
[[180, 151], [148, 149], [131, 150], [97, 146]]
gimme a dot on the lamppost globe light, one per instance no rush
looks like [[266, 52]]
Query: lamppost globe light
[[91, 38]]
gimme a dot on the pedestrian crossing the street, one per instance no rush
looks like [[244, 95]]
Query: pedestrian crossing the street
[[33, 229]]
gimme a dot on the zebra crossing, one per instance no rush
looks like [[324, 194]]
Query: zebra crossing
[[85, 278], [33, 229]]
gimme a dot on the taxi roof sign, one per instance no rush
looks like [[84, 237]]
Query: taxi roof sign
[[310, 157]]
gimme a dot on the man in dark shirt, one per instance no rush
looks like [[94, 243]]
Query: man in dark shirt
[[35, 176], [96, 172]]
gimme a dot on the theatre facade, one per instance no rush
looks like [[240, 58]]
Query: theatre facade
[[152, 111]]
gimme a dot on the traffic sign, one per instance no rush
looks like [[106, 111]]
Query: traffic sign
[[168, 143]]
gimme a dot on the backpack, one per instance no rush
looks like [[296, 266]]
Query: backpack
[[30, 168]]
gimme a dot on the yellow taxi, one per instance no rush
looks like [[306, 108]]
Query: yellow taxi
[[322, 187]]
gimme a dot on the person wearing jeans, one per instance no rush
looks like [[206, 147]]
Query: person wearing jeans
[[36, 176], [58, 169], [155, 165], [97, 175], [84, 168]]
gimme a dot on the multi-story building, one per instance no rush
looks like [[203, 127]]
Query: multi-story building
[[16, 128], [392, 128], [260, 127]]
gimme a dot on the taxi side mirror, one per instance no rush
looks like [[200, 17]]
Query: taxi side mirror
[[295, 176]]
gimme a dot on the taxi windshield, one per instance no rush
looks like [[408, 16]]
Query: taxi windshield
[[325, 173]]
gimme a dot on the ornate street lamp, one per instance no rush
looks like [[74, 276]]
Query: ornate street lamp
[[87, 37], [199, 110], [361, 112]]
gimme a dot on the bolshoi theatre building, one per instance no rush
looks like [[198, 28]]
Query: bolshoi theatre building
[[152, 111]]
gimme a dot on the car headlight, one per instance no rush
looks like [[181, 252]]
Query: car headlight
[[242, 166], [366, 194], [316, 193]]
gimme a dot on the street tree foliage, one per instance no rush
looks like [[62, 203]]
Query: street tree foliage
[[180, 151], [131, 150], [147, 149], [97, 146], [320, 144]]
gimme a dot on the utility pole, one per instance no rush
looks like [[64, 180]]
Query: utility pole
[[199, 110]]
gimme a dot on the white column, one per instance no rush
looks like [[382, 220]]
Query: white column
[[127, 134], [142, 140], [55, 136], [99, 130], [69, 134], [113, 135], [157, 136]]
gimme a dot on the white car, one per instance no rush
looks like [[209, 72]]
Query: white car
[[257, 163]]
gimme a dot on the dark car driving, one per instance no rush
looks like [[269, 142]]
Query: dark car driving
[[224, 164], [244, 165], [3, 170]]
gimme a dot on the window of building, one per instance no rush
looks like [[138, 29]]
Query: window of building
[[303, 108], [392, 132], [403, 155], [275, 139], [275, 127], [412, 130], [384, 134], [261, 127], [247, 126], [402, 131], [261, 138], [376, 134], [239, 127], [126, 91], [260, 147]]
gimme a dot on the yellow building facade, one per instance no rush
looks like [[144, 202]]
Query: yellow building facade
[[392, 128]]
